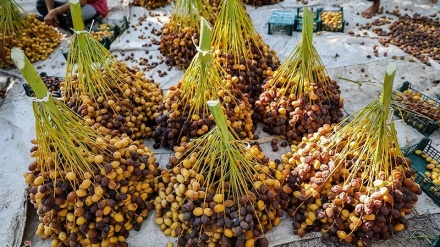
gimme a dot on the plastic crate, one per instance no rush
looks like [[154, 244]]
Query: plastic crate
[[28, 90], [423, 125], [115, 26], [299, 20], [419, 165], [281, 21], [436, 242], [334, 27]]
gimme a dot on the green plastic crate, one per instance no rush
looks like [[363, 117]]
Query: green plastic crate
[[436, 242], [423, 125], [281, 21], [419, 165], [299, 20], [325, 27]]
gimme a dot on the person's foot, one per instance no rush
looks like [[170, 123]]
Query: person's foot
[[372, 10]]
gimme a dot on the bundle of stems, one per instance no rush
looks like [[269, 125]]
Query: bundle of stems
[[224, 177], [188, 14], [241, 50], [91, 69], [234, 31], [17, 28], [111, 96], [181, 34], [201, 81], [300, 97], [76, 169], [65, 142], [302, 68], [187, 103], [221, 149], [11, 18], [370, 135], [360, 170], [376, 177]]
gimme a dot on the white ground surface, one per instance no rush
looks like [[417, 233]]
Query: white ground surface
[[17, 126]]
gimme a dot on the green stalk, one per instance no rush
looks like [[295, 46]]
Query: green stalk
[[385, 100], [31, 75], [78, 25], [307, 35], [305, 68], [388, 88], [75, 9], [220, 119], [236, 166], [205, 36], [62, 135], [385, 105], [231, 5], [200, 63], [205, 45]]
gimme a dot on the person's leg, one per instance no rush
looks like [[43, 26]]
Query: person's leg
[[373, 9], [41, 7], [88, 12]]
